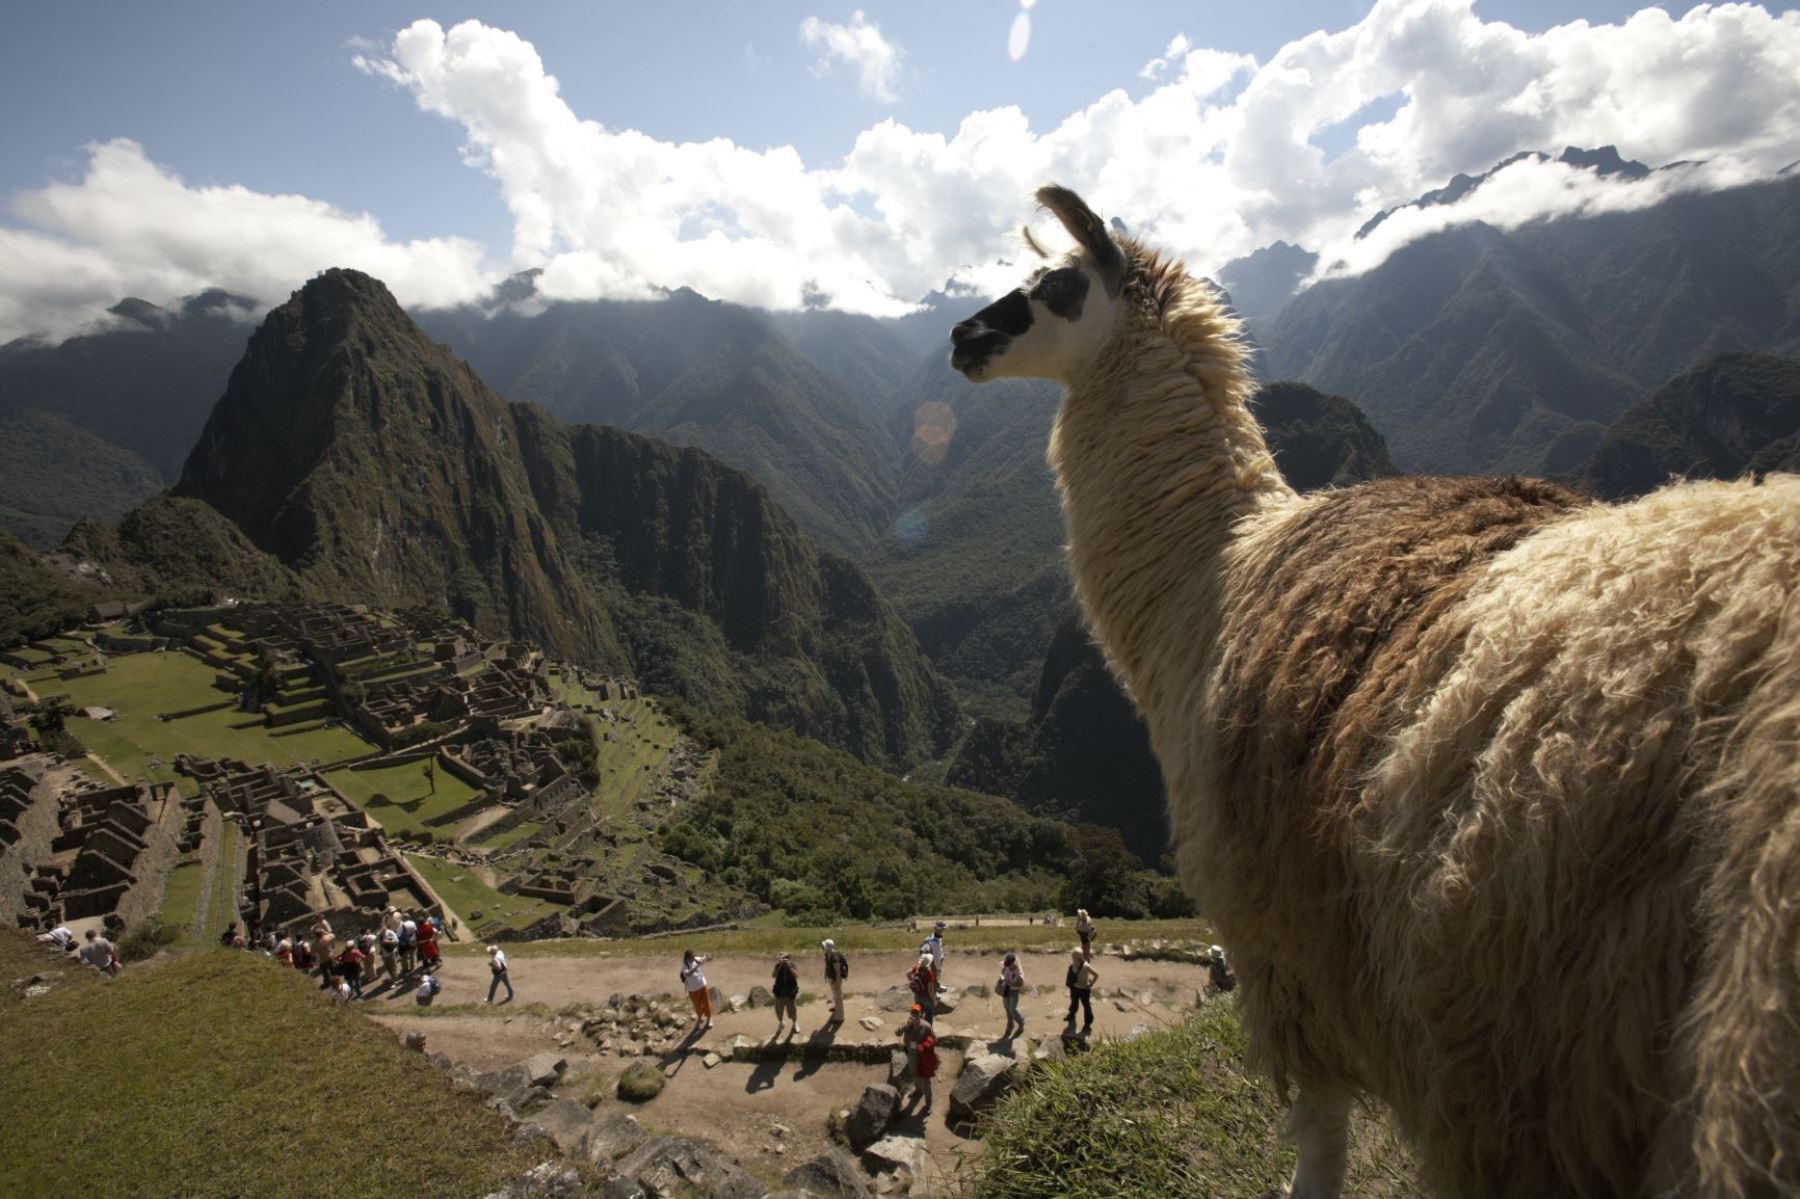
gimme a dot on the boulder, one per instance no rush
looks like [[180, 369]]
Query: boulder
[[899, 1069], [542, 1068], [895, 999], [833, 1174], [947, 1000], [1049, 1050], [547, 1180], [869, 1117], [895, 1153], [678, 1166], [566, 1122], [509, 1083], [984, 1078], [760, 996], [870, 1023], [614, 1136]]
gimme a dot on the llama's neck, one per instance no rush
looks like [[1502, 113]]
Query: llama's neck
[[1159, 461]]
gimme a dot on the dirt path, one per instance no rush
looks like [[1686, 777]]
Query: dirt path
[[741, 1106]]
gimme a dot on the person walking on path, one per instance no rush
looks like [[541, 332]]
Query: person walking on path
[[1012, 982], [1084, 928], [787, 994], [925, 1067], [350, 966], [923, 981], [427, 945], [837, 970], [934, 945], [1220, 977], [497, 966], [916, 1029], [390, 951], [98, 952], [1080, 982], [694, 979]]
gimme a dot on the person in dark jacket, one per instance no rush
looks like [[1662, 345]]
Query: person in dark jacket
[[1080, 981], [837, 970], [787, 994]]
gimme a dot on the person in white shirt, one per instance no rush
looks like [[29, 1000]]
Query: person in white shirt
[[60, 937], [98, 952], [934, 945], [695, 981], [497, 965]]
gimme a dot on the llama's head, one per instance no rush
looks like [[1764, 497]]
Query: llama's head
[[1062, 316]]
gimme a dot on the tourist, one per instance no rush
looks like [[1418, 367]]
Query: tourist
[[391, 919], [922, 979], [409, 942], [497, 967], [326, 961], [350, 968], [341, 990], [284, 951], [1220, 977], [934, 945], [229, 936], [837, 969], [99, 953], [925, 1066], [1084, 928], [916, 1029], [366, 942], [427, 945], [271, 941], [787, 994], [1012, 982], [60, 937], [695, 982], [429, 986], [303, 957], [390, 951], [1080, 982]]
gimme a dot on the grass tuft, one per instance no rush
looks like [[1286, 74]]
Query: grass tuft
[[640, 1083]]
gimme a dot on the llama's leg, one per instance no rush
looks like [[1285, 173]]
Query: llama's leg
[[1319, 1126]]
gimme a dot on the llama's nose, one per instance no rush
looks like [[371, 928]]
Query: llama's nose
[[961, 333]]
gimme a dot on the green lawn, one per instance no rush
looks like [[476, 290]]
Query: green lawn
[[221, 908], [138, 686], [180, 897], [410, 806], [219, 1074], [471, 895], [511, 836]]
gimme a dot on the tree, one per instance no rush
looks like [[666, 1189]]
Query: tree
[[431, 775], [1106, 878], [48, 714]]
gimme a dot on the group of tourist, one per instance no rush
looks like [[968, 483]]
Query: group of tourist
[[96, 951], [402, 945]]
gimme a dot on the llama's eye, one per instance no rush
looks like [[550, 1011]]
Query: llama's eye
[[1063, 292]]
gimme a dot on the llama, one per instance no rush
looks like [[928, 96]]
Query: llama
[[1493, 791]]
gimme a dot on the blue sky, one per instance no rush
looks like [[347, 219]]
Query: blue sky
[[269, 99]]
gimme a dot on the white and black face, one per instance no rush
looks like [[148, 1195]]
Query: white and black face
[[1060, 318], [1049, 327]]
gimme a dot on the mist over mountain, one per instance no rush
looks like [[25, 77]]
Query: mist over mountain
[[1476, 349]]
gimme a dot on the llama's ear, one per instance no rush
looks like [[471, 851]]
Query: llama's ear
[[1086, 228]]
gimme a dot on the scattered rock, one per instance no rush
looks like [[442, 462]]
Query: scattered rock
[[440, 1060], [833, 1174], [1049, 1050], [737, 1003], [1121, 1005], [947, 1000], [614, 1136], [547, 1180], [677, 1166], [529, 1134], [895, 1153], [899, 1069], [415, 1041], [869, 1118], [640, 1082], [870, 1022], [542, 1068], [760, 996], [1137, 1030], [566, 1122], [710, 1060], [984, 1078]]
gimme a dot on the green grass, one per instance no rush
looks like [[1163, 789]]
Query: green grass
[[767, 936], [470, 894], [512, 836], [218, 1074], [139, 686], [1173, 1113], [411, 806], [221, 907], [180, 897]]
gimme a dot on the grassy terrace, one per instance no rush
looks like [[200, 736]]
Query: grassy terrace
[[410, 806], [138, 686], [180, 898], [221, 908], [466, 894], [194, 1076], [645, 741]]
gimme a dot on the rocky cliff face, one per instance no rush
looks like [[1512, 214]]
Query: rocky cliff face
[[378, 468]]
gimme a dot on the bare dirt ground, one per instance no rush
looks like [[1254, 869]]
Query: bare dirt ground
[[771, 1115]]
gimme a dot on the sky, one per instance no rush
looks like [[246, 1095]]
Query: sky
[[785, 154]]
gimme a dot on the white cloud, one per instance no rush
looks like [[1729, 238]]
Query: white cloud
[[1219, 156], [131, 227], [860, 46], [1178, 47]]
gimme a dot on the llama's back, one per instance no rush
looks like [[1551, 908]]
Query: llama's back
[[1554, 771]]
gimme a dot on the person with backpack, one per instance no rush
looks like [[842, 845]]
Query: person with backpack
[[390, 952], [1220, 977], [787, 994], [1009, 986], [303, 957], [925, 1067], [694, 979], [350, 968], [497, 967], [922, 980], [409, 942], [915, 1030], [429, 986], [1080, 982], [426, 942], [837, 969], [1084, 928], [934, 945]]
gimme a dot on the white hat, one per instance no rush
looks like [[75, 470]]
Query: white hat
[[827, 943], [940, 926], [1217, 951]]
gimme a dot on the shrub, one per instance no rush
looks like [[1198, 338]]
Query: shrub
[[640, 1083], [144, 940]]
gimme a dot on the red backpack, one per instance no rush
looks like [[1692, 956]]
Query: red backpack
[[927, 1059]]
